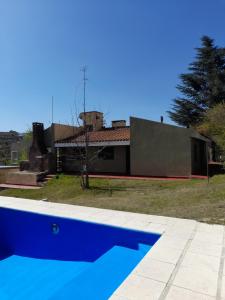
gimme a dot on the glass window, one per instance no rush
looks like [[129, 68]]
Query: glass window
[[106, 153], [14, 155]]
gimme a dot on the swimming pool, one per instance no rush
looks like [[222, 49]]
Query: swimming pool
[[48, 257]]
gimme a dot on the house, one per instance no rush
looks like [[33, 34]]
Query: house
[[144, 148], [8, 150]]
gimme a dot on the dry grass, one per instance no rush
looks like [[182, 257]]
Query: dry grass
[[194, 199]]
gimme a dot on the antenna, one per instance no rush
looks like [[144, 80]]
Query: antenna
[[52, 109], [84, 70], [86, 163]]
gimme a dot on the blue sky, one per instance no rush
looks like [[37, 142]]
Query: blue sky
[[134, 50]]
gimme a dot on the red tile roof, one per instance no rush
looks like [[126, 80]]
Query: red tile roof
[[105, 135]]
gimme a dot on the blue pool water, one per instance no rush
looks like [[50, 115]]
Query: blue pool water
[[46, 257]]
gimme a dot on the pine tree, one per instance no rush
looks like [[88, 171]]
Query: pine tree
[[203, 87]]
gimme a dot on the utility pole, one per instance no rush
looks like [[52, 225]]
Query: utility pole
[[85, 167]]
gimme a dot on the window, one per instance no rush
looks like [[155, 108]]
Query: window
[[14, 155], [72, 154], [79, 153], [106, 153]]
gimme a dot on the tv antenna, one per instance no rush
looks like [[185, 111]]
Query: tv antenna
[[52, 109], [86, 162]]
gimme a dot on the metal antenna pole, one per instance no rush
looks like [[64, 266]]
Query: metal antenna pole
[[52, 109], [84, 69]]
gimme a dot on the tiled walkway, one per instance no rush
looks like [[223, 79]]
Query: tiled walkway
[[187, 263]]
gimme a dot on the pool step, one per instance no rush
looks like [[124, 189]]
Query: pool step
[[37, 279], [100, 280], [3, 254], [41, 279]]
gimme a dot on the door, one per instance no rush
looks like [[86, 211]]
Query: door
[[199, 158]]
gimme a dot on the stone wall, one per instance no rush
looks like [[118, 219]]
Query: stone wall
[[5, 170]]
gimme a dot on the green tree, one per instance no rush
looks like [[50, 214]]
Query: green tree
[[202, 87], [213, 125], [27, 139]]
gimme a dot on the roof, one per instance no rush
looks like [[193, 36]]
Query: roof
[[8, 133], [105, 135], [91, 111]]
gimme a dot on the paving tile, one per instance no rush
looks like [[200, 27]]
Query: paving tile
[[111, 215], [169, 254], [117, 297], [223, 288], [209, 237], [176, 293], [185, 223], [203, 247], [140, 288], [179, 232], [197, 279], [143, 217], [136, 224], [224, 268], [170, 241], [154, 269], [115, 222], [160, 220], [206, 262], [210, 228], [156, 228]]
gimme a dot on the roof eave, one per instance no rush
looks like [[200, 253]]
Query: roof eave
[[93, 144]]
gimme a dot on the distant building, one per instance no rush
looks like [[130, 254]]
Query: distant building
[[7, 140]]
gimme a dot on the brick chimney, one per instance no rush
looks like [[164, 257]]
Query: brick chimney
[[94, 119], [118, 123]]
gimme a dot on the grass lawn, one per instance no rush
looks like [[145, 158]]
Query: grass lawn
[[194, 199]]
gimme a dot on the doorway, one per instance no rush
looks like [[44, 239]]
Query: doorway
[[199, 157]]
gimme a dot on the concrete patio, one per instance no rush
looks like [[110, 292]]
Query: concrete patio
[[186, 263]]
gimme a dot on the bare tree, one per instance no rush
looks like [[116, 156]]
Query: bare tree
[[81, 152]]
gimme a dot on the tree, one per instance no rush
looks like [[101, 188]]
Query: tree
[[213, 126], [203, 87], [25, 144]]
